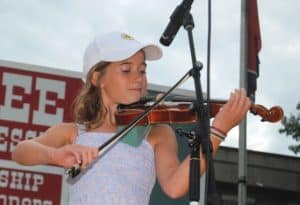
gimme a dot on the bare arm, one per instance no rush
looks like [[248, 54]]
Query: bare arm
[[54, 147], [168, 166], [173, 175]]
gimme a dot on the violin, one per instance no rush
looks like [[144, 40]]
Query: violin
[[184, 112]]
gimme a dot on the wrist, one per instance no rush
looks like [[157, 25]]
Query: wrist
[[51, 155], [218, 133], [219, 130]]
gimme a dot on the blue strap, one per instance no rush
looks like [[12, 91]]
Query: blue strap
[[136, 135]]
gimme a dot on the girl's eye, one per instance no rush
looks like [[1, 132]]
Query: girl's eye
[[143, 69], [125, 68]]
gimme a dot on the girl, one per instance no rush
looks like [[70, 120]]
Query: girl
[[115, 70]]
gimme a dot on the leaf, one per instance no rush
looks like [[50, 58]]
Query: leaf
[[291, 127]]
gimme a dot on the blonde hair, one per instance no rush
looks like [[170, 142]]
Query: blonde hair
[[88, 105]]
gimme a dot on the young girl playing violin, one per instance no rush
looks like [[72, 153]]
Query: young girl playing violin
[[115, 73]]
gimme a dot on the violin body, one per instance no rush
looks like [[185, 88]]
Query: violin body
[[180, 113]]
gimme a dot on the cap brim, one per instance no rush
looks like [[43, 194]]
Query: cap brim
[[152, 52]]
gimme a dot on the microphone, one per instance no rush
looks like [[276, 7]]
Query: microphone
[[175, 22]]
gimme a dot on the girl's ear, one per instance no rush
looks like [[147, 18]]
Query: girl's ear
[[94, 78]]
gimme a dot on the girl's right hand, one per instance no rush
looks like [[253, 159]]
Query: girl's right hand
[[69, 155]]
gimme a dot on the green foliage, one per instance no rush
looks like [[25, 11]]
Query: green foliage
[[292, 128]]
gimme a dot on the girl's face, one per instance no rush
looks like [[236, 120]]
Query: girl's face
[[124, 82]]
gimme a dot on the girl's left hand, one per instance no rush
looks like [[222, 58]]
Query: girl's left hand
[[232, 113]]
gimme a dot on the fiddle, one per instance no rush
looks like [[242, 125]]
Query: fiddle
[[184, 112]]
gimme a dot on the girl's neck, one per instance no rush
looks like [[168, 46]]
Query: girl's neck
[[109, 123]]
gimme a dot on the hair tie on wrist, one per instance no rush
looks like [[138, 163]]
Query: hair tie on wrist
[[217, 133], [219, 130]]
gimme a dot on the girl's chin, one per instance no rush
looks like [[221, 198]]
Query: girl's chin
[[130, 101]]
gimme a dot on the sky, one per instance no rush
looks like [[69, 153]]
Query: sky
[[55, 34]]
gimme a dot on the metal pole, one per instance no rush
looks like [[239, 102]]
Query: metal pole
[[242, 161]]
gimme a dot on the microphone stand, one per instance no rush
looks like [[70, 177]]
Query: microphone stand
[[201, 134]]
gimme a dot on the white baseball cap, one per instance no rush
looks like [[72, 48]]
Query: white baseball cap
[[116, 46]]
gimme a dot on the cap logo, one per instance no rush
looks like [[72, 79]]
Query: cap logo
[[126, 36]]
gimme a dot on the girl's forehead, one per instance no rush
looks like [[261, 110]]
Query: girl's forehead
[[139, 56], [136, 59]]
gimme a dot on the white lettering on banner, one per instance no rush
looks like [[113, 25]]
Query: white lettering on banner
[[3, 138], [13, 200], [18, 180], [38, 180], [16, 135], [30, 102], [9, 138], [7, 111], [4, 178], [27, 178], [40, 116], [21, 114], [3, 198], [16, 200]]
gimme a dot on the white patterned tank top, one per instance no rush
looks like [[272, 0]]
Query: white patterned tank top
[[124, 175]]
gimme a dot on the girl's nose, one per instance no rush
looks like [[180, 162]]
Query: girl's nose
[[138, 76]]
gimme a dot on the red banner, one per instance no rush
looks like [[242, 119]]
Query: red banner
[[27, 187], [30, 102]]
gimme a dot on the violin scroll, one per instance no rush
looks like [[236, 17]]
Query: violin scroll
[[274, 114]]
